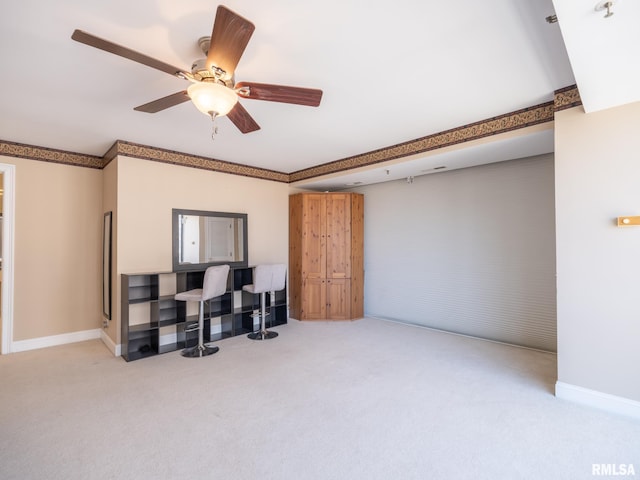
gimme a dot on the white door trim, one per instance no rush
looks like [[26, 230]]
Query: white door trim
[[8, 227]]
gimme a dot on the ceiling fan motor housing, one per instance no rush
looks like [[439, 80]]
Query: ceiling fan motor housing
[[200, 72]]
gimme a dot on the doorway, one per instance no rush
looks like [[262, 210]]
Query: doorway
[[7, 223]]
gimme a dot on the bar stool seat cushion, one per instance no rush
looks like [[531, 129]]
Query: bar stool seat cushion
[[191, 296]]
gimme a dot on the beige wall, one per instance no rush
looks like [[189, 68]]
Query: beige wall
[[597, 172], [148, 191], [58, 232], [57, 272]]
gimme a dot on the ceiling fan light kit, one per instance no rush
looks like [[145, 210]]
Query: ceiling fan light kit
[[212, 88], [212, 98]]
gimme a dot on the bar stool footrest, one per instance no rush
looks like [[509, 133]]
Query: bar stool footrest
[[194, 327]]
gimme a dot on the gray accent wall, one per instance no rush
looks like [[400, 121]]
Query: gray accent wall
[[469, 251]]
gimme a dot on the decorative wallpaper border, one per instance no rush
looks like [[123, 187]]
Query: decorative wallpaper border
[[564, 98], [44, 154], [492, 126], [128, 149]]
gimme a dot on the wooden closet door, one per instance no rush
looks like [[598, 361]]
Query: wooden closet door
[[313, 236], [338, 235], [296, 250]]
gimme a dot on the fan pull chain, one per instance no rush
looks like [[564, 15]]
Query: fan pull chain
[[214, 127]]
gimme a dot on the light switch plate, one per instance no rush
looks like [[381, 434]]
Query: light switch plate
[[628, 221]]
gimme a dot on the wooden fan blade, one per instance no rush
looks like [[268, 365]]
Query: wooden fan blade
[[241, 119], [279, 93], [107, 46], [229, 38], [164, 102]]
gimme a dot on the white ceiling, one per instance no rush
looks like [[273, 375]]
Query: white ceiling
[[604, 52], [391, 72]]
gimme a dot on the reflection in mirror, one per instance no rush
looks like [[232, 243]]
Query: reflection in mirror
[[201, 239]]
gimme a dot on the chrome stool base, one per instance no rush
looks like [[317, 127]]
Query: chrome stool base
[[199, 351], [262, 335]]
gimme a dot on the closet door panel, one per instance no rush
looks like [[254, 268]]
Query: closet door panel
[[338, 236], [338, 299], [314, 236], [314, 299]]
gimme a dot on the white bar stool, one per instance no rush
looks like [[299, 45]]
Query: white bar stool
[[213, 285], [266, 278]]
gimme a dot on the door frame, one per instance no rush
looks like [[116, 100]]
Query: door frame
[[8, 237]]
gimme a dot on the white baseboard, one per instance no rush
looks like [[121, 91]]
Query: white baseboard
[[53, 340], [593, 398], [113, 348]]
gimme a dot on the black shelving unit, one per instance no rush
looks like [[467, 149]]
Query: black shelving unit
[[141, 338], [153, 322]]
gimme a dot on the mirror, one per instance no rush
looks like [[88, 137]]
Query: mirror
[[202, 239], [106, 266]]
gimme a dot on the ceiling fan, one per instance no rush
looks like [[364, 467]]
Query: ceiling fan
[[213, 89]]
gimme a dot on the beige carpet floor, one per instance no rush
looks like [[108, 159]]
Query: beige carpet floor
[[368, 399]]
